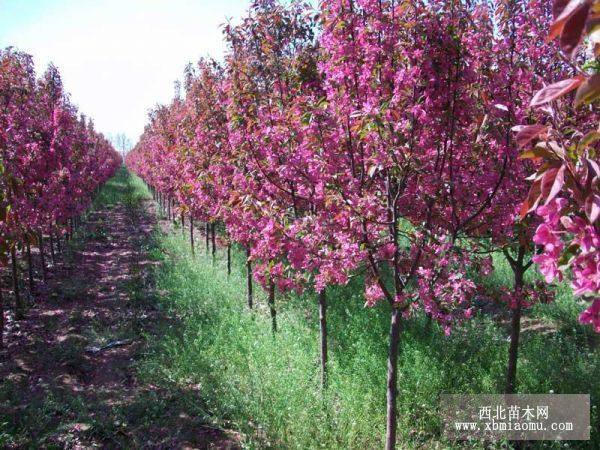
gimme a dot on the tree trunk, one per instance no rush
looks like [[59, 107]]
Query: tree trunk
[[42, 257], [169, 208], [58, 243], [192, 235], [52, 250], [272, 307], [1, 320], [19, 307], [515, 332], [207, 232], [428, 325], [392, 379], [213, 239], [249, 279], [30, 268], [323, 331], [228, 258], [182, 222]]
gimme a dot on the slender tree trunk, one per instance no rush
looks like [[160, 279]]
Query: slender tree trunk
[[19, 307], [213, 239], [42, 257], [249, 279], [1, 320], [52, 250], [58, 244], [30, 267], [182, 222], [169, 207], [428, 325], [207, 232], [272, 307], [192, 235], [228, 258], [392, 379], [323, 331], [515, 333]]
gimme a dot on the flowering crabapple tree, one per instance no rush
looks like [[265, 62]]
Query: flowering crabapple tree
[[511, 44], [413, 134], [265, 64]]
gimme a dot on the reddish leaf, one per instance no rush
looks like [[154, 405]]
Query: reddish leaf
[[593, 166], [573, 29], [592, 207], [557, 181], [527, 133], [588, 91], [556, 90], [547, 182], [562, 11], [532, 200], [558, 6]]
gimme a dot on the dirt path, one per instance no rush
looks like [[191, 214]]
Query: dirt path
[[60, 388]]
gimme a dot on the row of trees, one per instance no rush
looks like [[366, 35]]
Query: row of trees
[[371, 135], [51, 162]]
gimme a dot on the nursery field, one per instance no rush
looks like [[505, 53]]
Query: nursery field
[[358, 224], [197, 368]]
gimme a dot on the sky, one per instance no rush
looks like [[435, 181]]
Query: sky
[[118, 58]]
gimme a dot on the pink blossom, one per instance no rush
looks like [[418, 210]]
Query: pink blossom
[[591, 315]]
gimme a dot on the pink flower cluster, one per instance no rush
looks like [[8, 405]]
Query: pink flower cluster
[[548, 236], [581, 259]]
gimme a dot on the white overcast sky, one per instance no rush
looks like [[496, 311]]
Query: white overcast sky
[[118, 58]]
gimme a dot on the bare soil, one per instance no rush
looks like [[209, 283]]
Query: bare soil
[[59, 387]]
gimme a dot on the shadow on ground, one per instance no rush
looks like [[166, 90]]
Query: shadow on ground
[[69, 369]]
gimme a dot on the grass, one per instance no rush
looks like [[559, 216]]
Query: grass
[[218, 363], [268, 387]]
